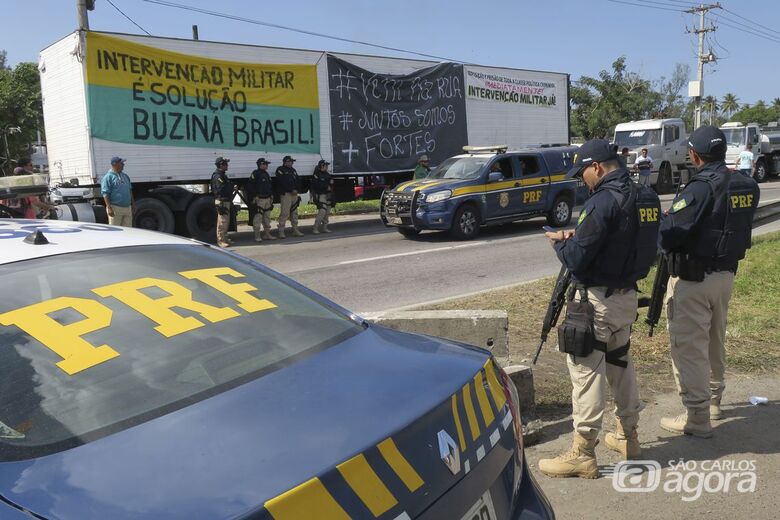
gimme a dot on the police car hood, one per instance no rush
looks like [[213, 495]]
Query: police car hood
[[432, 185], [382, 394]]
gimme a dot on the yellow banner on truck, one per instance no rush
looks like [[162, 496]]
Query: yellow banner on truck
[[144, 95]]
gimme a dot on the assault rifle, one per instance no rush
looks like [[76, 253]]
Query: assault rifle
[[555, 306], [659, 292]]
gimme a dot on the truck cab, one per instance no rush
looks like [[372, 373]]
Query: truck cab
[[766, 146], [666, 143], [485, 186]]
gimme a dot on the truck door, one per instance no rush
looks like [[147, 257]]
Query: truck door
[[535, 180], [672, 148], [503, 197]]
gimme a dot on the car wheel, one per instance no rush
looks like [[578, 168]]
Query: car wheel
[[153, 214], [560, 214], [465, 225], [664, 184], [201, 219], [760, 174], [409, 232]]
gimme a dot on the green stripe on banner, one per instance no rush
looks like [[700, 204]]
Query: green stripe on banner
[[125, 116]]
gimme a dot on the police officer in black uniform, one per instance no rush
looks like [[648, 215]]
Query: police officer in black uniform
[[322, 195], [260, 190], [289, 185], [704, 235], [223, 190], [612, 247]]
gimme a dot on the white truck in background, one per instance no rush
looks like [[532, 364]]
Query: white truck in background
[[666, 141], [766, 146]]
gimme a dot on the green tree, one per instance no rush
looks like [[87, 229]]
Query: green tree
[[20, 106], [710, 107], [672, 102], [776, 104], [759, 113], [729, 104]]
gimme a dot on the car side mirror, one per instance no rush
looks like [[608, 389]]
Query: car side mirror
[[495, 176]]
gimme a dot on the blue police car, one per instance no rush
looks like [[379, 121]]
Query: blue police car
[[145, 376], [485, 186]]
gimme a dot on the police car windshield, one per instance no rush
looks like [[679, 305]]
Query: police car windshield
[[637, 138], [459, 168], [94, 342], [734, 136]]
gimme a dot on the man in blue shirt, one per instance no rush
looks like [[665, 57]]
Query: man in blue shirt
[[117, 193], [747, 161]]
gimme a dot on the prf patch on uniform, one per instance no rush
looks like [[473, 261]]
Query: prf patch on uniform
[[741, 201], [681, 204], [582, 217], [648, 214]]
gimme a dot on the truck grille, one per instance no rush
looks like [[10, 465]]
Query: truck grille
[[397, 204]]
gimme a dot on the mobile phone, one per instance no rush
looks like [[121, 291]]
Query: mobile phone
[[548, 229]]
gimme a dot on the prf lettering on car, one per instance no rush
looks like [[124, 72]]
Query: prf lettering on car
[[532, 196], [78, 354]]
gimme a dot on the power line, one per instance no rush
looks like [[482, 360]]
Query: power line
[[747, 31], [131, 20], [750, 21], [293, 29], [746, 27], [635, 5], [667, 4]]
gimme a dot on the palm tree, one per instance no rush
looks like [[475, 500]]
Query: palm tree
[[730, 104], [710, 105], [776, 103]]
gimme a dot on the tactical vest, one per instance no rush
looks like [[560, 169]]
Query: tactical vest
[[632, 248], [725, 235]]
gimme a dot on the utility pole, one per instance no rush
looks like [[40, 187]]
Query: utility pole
[[81, 8], [702, 58], [194, 32]]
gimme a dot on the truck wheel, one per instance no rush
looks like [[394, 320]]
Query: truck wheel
[[408, 232], [465, 224], [153, 214], [560, 214], [664, 184], [201, 219], [760, 174]]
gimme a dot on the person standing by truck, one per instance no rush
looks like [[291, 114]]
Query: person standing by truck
[[117, 191], [322, 196], [223, 191], [746, 163], [289, 185], [422, 169], [644, 165], [260, 189]]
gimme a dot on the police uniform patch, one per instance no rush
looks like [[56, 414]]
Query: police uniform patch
[[582, 217], [681, 204]]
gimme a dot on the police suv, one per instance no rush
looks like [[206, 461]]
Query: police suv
[[485, 186]]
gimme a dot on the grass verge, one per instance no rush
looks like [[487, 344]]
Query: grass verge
[[354, 207], [752, 334]]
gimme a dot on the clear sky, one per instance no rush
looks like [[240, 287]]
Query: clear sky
[[580, 37]]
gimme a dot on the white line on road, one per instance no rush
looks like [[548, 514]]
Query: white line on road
[[409, 253]]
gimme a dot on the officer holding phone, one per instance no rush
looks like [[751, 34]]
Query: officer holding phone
[[611, 248]]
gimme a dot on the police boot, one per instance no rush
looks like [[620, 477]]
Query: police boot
[[258, 238], [297, 233], [694, 422], [281, 233], [715, 412], [315, 230], [579, 461], [268, 236], [325, 228], [624, 441]]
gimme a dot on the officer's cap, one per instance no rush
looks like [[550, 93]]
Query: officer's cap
[[595, 150], [707, 140], [288, 158], [220, 160], [262, 160]]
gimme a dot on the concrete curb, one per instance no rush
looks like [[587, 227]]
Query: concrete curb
[[766, 211]]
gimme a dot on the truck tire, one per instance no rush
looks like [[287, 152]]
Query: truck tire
[[465, 224], [760, 174], [409, 232], [153, 214], [664, 183], [560, 213], [201, 219]]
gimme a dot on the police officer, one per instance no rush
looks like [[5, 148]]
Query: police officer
[[223, 191], [704, 235], [289, 185], [322, 195], [260, 189], [612, 247]]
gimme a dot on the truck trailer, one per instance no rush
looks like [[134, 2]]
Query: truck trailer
[[766, 146]]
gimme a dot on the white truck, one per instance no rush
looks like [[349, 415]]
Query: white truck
[[766, 146], [666, 142], [171, 106]]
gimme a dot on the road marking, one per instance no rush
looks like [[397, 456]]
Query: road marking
[[410, 253]]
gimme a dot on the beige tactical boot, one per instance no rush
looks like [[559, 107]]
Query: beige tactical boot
[[715, 412], [579, 461], [223, 244], [258, 238], [624, 441], [315, 231], [325, 229], [296, 232], [694, 422], [268, 236]]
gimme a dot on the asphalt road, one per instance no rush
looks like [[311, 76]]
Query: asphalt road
[[366, 267]]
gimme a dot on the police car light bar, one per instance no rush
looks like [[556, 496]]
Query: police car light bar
[[22, 185], [498, 148]]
